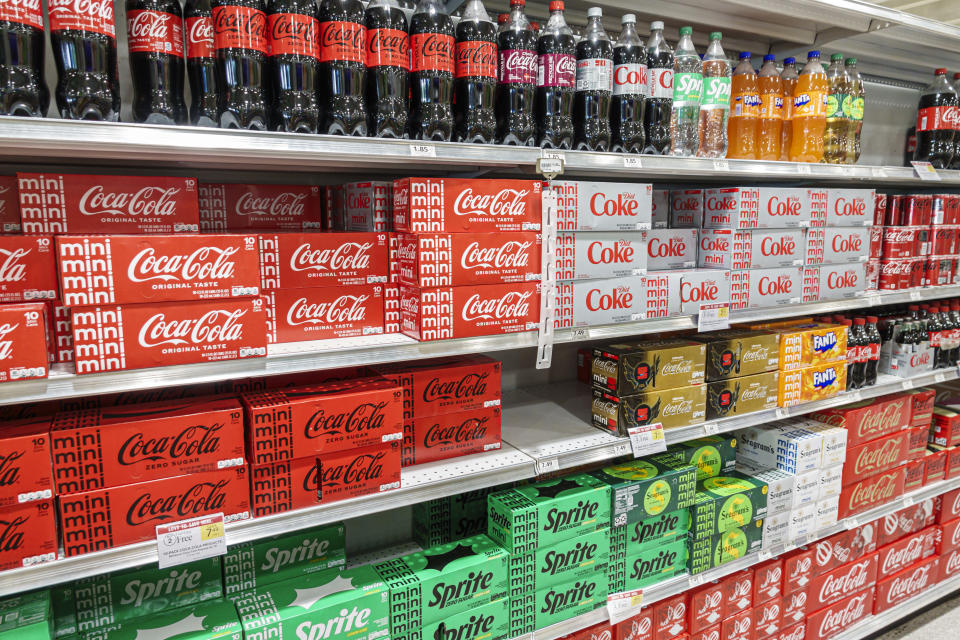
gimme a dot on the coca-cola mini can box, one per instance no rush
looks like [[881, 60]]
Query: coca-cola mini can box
[[875, 456], [443, 259], [831, 620], [445, 385], [834, 282], [246, 207], [670, 616], [686, 209], [130, 269], [762, 288], [464, 312], [586, 303], [871, 491], [907, 551], [594, 255], [282, 486], [28, 269], [430, 438], [23, 341], [837, 245], [671, 249], [605, 206], [906, 584], [29, 534], [845, 208], [298, 260], [25, 461], [738, 626], [323, 313], [456, 204], [750, 249], [58, 203], [757, 208]]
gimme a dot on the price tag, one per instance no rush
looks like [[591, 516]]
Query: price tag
[[764, 555], [915, 295], [546, 153], [697, 580], [631, 162], [855, 396], [621, 449], [578, 334], [647, 439], [925, 170], [940, 376], [547, 465], [423, 151], [907, 385], [721, 165], [621, 605], [550, 168], [804, 169], [712, 428], [851, 523], [713, 317], [781, 413], [908, 501], [189, 540]]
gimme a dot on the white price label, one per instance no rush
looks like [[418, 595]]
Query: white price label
[[781, 413], [621, 449], [925, 170], [621, 606], [550, 167], [851, 523], [804, 169], [711, 428], [908, 384], [423, 151], [764, 555], [547, 465], [632, 162], [908, 501], [190, 540], [546, 153], [854, 396], [940, 376], [647, 439], [713, 317], [578, 334], [915, 295], [721, 165]]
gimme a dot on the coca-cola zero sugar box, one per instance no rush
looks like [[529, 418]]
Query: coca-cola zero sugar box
[[58, 203], [586, 303], [151, 268], [598, 254], [836, 245], [671, 249], [469, 311], [285, 485], [136, 336], [455, 204], [686, 209], [28, 534], [443, 259], [9, 204], [905, 584], [321, 313], [245, 207], [757, 208], [445, 385], [764, 288], [834, 282], [750, 249], [28, 269], [844, 208], [604, 206], [359, 471], [299, 260], [23, 341], [430, 438], [831, 620], [25, 461]]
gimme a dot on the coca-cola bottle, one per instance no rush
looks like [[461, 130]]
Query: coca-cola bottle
[[933, 335], [556, 81], [517, 44], [84, 40], [853, 351], [292, 44], [23, 91], [388, 63], [629, 88], [591, 104], [953, 356], [873, 339], [937, 122], [155, 43], [431, 72], [659, 107], [475, 76], [201, 63], [240, 43], [342, 68]]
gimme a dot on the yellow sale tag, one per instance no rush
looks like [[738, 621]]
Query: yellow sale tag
[[211, 531]]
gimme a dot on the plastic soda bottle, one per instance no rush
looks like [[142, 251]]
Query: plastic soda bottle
[[853, 110], [835, 132], [809, 111], [656, 113], [789, 77], [715, 104], [687, 92], [744, 110], [770, 128]]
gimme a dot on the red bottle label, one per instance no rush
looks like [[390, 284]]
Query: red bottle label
[[342, 41], [518, 66], [82, 15], [933, 118], [28, 12], [199, 37], [556, 70], [431, 52], [476, 58], [154, 32], [239, 28], [293, 34], [388, 48]]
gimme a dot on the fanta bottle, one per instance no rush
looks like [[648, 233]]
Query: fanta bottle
[[789, 77], [809, 111], [744, 111], [770, 128]]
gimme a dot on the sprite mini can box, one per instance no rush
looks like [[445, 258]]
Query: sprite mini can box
[[64, 610], [539, 609], [649, 532], [643, 566], [739, 352], [26, 617], [249, 565], [649, 365], [711, 455], [712, 551], [647, 487], [214, 620], [545, 513], [565, 561], [444, 520], [725, 502], [489, 622]]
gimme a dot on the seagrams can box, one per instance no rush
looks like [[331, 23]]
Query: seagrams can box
[[115, 516], [641, 567], [726, 502], [650, 365], [444, 259], [647, 488], [243, 207], [451, 435], [299, 260], [603, 206], [568, 560], [535, 610], [28, 535], [23, 341], [444, 520], [25, 473], [812, 383], [545, 513], [28, 268], [711, 455], [465, 312], [735, 353], [679, 407], [737, 396], [707, 552], [590, 255], [454, 204], [489, 622]]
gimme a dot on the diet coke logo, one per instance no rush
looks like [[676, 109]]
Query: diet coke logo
[[284, 204], [617, 300], [345, 309], [505, 203], [846, 244], [513, 305], [699, 291], [843, 207], [624, 204], [349, 256], [715, 243], [788, 207], [509, 255], [845, 280], [12, 268], [205, 263], [782, 246], [214, 326], [727, 203], [621, 252], [672, 248], [780, 286], [148, 201]]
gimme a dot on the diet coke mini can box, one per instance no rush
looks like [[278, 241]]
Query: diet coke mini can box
[[444, 259], [368, 206], [587, 303], [28, 268], [455, 204], [58, 203], [843, 208], [762, 288], [598, 254], [757, 208], [322, 313], [130, 269], [660, 209], [464, 312], [702, 286], [604, 206], [686, 209], [834, 282], [297, 260], [671, 249], [837, 245], [247, 207], [760, 249], [23, 341], [9, 205], [29, 534]]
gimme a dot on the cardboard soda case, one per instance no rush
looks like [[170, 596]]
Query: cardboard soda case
[[736, 396], [702, 286], [844, 208], [323, 313], [442, 386], [907, 551], [707, 552], [636, 627], [660, 209], [949, 507], [569, 560], [738, 626], [767, 619], [648, 488], [915, 471], [455, 204], [795, 608], [488, 622], [725, 502], [757, 208], [464, 312], [763, 288], [444, 520], [935, 466], [23, 341], [834, 282], [603, 206], [750, 249], [28, 534], [906, 521], [906, 584], [299, 260], [711, 455], [949, 565], [64, 611], [648, 365], [245, 207], [836, 245], [26, 617], [548, 606], [786, 446], [768, 580], [945, 429], [586, 303], [805, 344], [649, 532], [61, 335], [686, 209], [28, 269], [9, 205], [585, 256], [831, 620], [869, 419], [875, 456], [738, 591], [833, 450], [285, 485], [797, 570], [671, 249], [872, 491], [213, 620], [662, 292], [813, 383], [451, 435], [670, 408], [642, 567], [25, 473], [834, 585], [706, 607], [368, 206], [444, 259], [738, 352]]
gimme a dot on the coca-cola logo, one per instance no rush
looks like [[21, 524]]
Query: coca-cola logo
[[364, 417], [6, 345], [905, 586], [283, 204], [673, 613], [436, 45], [203, 497], [710, 603], [727, 203], [521, 59], [362, 469], [788, 207], [388, 44], [715, 243], [844, 280], [846, 244], [779, 286], [843, 207], [204, 264], [195, 440], [343, 36], [345, 309], [476, 57], [782, 246], [151, 25], [9, 468], [513, 305], [509, 255], [470, 430], [631, 75], [200, 32], [101, 11], [879, 489], [216, 325], [503, 204], [245, 25], [618, 299], [699, 291], [148, 201], [623, 204], [874, 459], [472, 385], [294, 33], [878, 421], [599, 252], [349, 256], [849, 582], [835, 620], [641, 627], [897, 558], [12, 267], [12, 533], [672, 248]]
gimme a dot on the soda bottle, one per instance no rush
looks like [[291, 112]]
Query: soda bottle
[[155, 44], [835, 132], [687, 93], [201, 63], [517, 45], [85, 53], [23, 91], [744, 110], [591, 104], [431, 72], [863, 353], [933, 336], [853, 111], [789, 77], [475, 76], [715, 105], [809, 112], [853, 351], [292, 32], [342, 68], [388, 62], [953, 357], [770, 125], [240, 42], [937, 122], [629, 89], [556, 81], [656, 116], [874, 342]]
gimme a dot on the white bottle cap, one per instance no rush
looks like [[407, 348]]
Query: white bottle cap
[[656, 25], [594, 12], [628, 18]]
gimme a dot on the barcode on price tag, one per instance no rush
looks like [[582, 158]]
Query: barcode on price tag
[[647, 439], [189, 540]]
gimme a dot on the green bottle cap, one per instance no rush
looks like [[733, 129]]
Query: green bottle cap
[[716, 35], [686, 31], [851, 61], [835, 57]]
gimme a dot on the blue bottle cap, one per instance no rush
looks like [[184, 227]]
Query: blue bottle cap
[[790, 60], [813, 54], [769, 57], [744, 55]]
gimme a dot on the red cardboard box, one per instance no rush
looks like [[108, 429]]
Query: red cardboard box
[[835, 585], [23, 341], [58, 203], [952, 464], [323, 313], [949, 507], [907, 551], [98, 448], [25, 461], [445, 385], [465, 312], [243, 207], [915, 470], [906, 521], [767, 581], [798, 569], [712, 633], [948, 537], [670, 617], [445, 259], [300, 260], [796, 632], [391, 308], [830, 621], [115, 516], [949, 565], [945, 430], [450, 435], [846, 546], [767, 619], [455, 204], [9, 205], [28, 269], [935, 469], [136, 336], [871, 491], [917, 441], [61, 347], [795, 607], [738, 626], [922, 410], [706, 607], [639, 627], [283, 486], [738, 591], [906, 584], [28, 535], [874, 456], [870, 419]]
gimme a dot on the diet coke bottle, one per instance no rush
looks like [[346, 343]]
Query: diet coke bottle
[[629, 88], [591, 104], [475, 76], [556, 81], [431, 72], [518, 79], [201, 63], [155, 42], [342, 68], [388, 61], [938, 120], [292, 29], [240, 41], [23, 91]]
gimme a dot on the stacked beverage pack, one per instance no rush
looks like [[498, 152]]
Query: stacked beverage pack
[[742, 371]]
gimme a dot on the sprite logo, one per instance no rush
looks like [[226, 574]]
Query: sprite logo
[[732, 545], [716, 93], [853, 107], [657, 497], [707, 460], [636, 470], [687, 88], [835, 105]]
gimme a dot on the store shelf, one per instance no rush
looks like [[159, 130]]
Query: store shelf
[[871, 625]]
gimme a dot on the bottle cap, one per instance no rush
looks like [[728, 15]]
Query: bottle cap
[[813, 54], [836, 56], [872, 319], [769, 57], [655, 25], [790, 60], [628, 18], [940, 72], [556, 5], [859, 321], [850, 61], [716, 35], [686, 31], [594, 12], [503, 17], [517, 3], [744, 55]]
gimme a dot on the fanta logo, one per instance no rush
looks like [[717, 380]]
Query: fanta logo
[[824, 379], [824, 343]]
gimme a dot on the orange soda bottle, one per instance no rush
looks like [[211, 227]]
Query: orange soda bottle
[[809, 111], [744, 111], [789, 77], [770, 127]]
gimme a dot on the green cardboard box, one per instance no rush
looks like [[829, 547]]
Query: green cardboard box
[[444, 520], [641, 567], [26, 617], [733, 544], [489, 622], [545, 513], [725, 502], [711, 455], [538, 609], [249, 565], [649, 532], [64, 610], [213, 620], [565, 561], [647, 487]]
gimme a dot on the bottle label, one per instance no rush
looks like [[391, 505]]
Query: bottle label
[[199, 37], [744, 104], [388, 48], [342, 41], [154, 32], [476, 58], [771, 106], [716, 93], [874, 351], [933, 118], [518, 66], [810, 104], [934, 337], [835, 105], [853, 354], [431, 52], [853, 107], [28, 12], [661, 83], [687, 89], [787, 103], [630, 79], [82, 15], [557, 70], [239, 28], [292, 34], [595, 74]]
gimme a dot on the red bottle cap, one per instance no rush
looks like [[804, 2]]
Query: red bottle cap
[[556, 5], [517, 3], [940, 72]]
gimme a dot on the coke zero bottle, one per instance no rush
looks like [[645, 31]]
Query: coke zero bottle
[[240, 41], [84, 40], [23, 91], [155, 43], [660, 92], [292, 32], [431, 72], [591, 104], [517, 44], [388, 61], [556, 81], [342, 68], [475, 76], [629, 88], [201, 63], [937, 122]]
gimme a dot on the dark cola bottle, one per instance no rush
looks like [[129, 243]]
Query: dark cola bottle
[[591, 104], [517, 45], [155, 44], [937, 122], [629, 89], [475, 76], [342, 68], [23, 91], [388, 64], [556, 81], [659, 107], [240, 41], [431, 72], [84, 39], [292, 44], [201, 62]]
